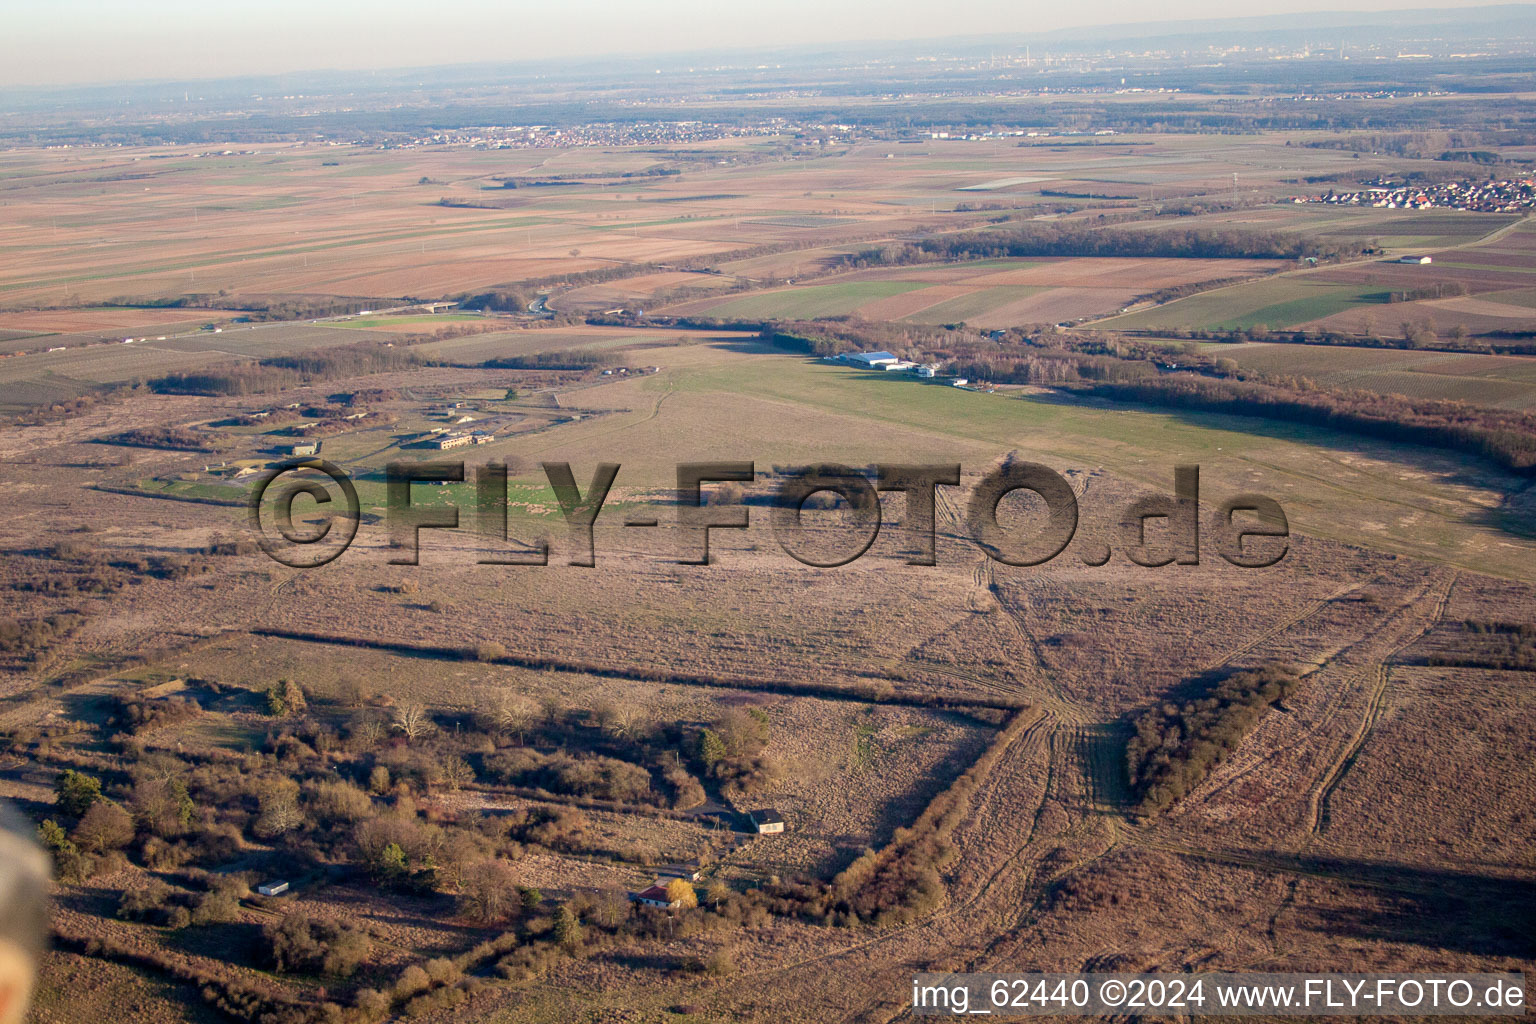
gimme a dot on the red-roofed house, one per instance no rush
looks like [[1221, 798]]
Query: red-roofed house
[[655, 896]]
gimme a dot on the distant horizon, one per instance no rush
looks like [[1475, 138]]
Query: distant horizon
[[185, 41]]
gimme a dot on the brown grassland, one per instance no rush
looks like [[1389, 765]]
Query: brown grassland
[[462, 767]]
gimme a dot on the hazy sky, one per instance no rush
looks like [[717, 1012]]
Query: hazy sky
[[50, 42]]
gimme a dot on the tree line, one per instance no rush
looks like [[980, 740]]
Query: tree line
[[1091, 239], [278, 372], [1504, 436]]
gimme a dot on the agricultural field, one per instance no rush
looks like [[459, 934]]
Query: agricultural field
[[984, 293], [120, 320], [1506, 382], [374, 223]]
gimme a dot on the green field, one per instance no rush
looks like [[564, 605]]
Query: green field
[[813, 301], [977, 303], [1278, 303], [1514, 296], [505, 344], [1500, 381]]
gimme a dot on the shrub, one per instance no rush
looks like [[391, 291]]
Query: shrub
[[105, 826], [297, 942], [720, 963], [567, 931], [490, 892], [76, 792], [411, 981], [145, 903], [338, 802]]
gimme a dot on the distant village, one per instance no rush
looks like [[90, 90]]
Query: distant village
[[1510, 196]]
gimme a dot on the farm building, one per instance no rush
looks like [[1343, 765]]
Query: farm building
[[927, 370], [959, 382], [305, 448], [654, 896], [272, 888], [453, 441], [872, 360], [1418, 260], [688, 872], [900, 364], [767, 821]]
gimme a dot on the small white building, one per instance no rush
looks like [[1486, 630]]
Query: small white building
[[1417, 260], [899, 365], [767, 821], [305, 448], [272, 888], [927, 370], [959, 382]]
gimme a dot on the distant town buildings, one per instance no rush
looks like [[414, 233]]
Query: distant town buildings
[[1508, 196]]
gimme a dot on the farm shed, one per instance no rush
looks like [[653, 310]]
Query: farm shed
[[767, 821], [873, 360]]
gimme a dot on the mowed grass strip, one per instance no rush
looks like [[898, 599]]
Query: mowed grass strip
[[407, 321]]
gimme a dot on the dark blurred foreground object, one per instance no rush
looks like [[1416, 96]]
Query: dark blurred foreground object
[[23, 913]]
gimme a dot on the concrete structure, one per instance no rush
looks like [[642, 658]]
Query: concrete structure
[[272, 888], [767, 821], [453, 441], [305, 448], [928, 370]]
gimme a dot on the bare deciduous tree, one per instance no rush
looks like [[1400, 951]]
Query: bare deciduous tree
[[412, 720], [513, 713]]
